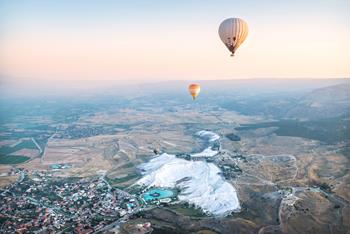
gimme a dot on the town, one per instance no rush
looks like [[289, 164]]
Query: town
[[38, 202]]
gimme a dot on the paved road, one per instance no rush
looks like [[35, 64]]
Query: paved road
[[37, 145], [125, 217]]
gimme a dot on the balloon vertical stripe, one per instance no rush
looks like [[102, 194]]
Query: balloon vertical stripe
[[233, 32]]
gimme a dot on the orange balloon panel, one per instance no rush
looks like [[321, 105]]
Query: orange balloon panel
[[194, 90]]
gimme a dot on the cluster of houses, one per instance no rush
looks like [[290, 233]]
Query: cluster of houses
[[230, 171], [41, 203]]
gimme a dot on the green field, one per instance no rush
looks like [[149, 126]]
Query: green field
[[117, 181], [27, 144], [4, 159], [187, 211]]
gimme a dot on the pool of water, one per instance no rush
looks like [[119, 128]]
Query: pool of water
[[157, 193], [60, 166]]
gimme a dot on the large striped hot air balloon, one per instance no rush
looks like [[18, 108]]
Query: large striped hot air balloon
[[233, 32], [194, 90]]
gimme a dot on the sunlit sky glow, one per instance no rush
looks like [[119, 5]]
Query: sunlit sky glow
[[168, 40]]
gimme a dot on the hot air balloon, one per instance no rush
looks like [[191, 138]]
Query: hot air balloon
[[194, 90], [233, 32]]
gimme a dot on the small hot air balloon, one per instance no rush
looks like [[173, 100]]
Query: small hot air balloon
[[194, 90], [233, 32]]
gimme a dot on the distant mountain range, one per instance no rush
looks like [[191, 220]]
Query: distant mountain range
[[328, 102], [305, 104]]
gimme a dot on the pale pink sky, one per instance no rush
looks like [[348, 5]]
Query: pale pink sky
[[136, 42]]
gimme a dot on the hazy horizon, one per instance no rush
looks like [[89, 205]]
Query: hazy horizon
[[36, 88]]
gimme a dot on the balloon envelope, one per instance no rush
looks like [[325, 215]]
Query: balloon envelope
[[233, 32], [194, 90]]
